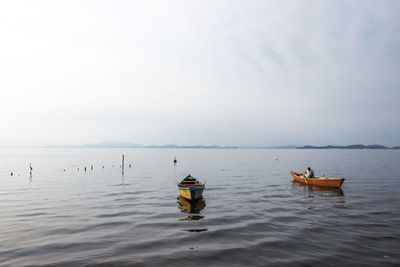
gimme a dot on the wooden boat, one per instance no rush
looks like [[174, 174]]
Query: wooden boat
[[317, 181], [190, 188]]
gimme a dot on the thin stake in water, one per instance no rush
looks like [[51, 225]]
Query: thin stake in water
[[123, 161]]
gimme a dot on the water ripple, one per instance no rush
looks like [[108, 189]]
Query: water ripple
[[251, 213]]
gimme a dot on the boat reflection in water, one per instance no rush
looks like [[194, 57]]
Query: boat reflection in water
[[319, 197], [317, 190], [191, 207]]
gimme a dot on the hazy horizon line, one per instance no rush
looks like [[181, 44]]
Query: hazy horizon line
[[116, 144]]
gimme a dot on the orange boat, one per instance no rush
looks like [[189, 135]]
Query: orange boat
[[317, 181]]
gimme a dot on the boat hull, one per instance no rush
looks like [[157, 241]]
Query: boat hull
[[191, 193], [329, 182]]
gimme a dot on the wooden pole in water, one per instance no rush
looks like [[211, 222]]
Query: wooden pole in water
[[123, 160]]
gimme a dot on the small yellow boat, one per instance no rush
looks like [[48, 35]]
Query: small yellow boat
[[190, 188]]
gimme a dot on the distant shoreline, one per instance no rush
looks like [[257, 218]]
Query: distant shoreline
[[349, 147]]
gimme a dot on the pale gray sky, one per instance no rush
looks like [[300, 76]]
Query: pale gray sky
[[200, 72]]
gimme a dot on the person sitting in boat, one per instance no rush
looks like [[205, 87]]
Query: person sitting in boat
[[309, 173]]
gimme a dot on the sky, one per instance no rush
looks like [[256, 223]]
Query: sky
[[245, 73]]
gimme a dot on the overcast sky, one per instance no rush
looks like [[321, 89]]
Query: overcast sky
[[200, 72]]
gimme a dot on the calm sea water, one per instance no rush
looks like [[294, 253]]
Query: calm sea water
[[251, 215]]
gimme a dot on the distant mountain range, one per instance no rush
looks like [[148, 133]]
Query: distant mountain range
[[116, 144], [269, 147], [349, 147], [129, 145]]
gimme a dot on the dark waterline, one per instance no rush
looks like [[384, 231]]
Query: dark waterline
[[251, 213]]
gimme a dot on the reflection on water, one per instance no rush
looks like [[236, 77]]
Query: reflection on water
[[315, 191], [192, 218], [196, 230], [104, 218], [191, 206], [319, 197]]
